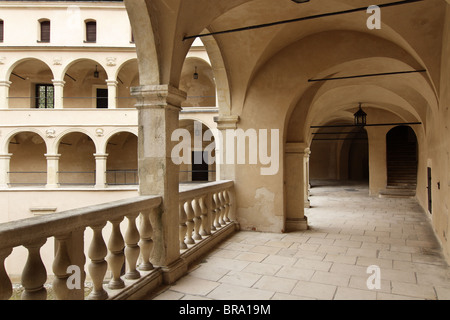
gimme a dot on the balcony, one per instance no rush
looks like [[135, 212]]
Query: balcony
[[121, 267]]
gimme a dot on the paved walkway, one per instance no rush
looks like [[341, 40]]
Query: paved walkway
[[349, 232]]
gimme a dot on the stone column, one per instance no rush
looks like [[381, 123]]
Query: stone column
[[306, 157], [4, 169], [100, 170], [158, 116], [294, 187], [226, 171], [112, 94], [58, 86], [4, 94], [52, 170]]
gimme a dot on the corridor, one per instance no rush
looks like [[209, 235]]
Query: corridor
[[349, 231]]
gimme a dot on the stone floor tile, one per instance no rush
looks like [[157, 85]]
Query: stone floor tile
[[442, 293], [388, 296], [295, 273], [314, 290], [344, 293], [284, 296], [251, 256], [413, 290], [340, 258], [208, 272], [262, 268], [276, 284], [392, 255], [264, 249], [240, 278], [230, 264], [194, 285], [280, 260], [169, 295], [331, 278], [313, 264], [382, 263], [229, 292]]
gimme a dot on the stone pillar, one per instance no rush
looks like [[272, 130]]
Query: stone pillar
[[112, 94], [306, 186], [294, 187], [58, 86], [52, 170], [4, 94], [158, 116], [226, 171], [4, 169], [100, 170]]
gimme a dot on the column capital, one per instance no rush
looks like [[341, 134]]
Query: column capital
[[100, 156], [6, 156], [58, 83], [227, 122], [52, 156], [5, 83], [158, 96], [112, 83]]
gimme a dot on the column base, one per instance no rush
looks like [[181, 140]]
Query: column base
[[296, 224]]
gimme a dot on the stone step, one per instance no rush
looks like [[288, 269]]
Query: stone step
[[397, 193]]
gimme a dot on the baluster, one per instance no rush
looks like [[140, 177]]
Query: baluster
[[60, 265], [217, 211], [98, 266], [34, 274], [132, 249], [116, 257], [211, 204], [205, 230], [197, 219], [183, 227], [146, 243], [6, 289], [189, 222], [222, 208], [226, 197]]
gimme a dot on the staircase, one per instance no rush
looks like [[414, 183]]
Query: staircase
[[401, 170]]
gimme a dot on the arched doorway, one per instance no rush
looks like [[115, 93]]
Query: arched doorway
[[122, 150], [401, 157]]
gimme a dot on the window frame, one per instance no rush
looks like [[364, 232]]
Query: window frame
[[88, 32], [2, 31], [38, 97], [48, 33]]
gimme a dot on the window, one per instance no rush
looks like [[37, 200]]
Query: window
[[45, 31], [91, 31], [45, 96], [1, 30]]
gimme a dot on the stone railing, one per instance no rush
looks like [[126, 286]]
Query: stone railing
[[68, 230], [122, 266], [203, 211]]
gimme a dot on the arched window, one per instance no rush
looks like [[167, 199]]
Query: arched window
[[91, 31], [45, 30]]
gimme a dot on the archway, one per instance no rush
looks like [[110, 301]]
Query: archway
[[402, 158], [31, 85], [77, 162], [28, 166], [122, 164], [85, 85]]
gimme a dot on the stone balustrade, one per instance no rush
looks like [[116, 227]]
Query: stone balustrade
[[203, 211], [205, 220]]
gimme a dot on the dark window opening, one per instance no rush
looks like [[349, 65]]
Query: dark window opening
[[45, 96], [91, 31], [102, 98], [45, 31], [199, 170], [1, 30]]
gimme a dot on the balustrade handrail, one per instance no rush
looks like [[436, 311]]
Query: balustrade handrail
[[48, 226], [207, 187]]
